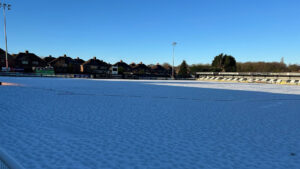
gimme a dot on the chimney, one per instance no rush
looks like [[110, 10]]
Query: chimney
[[94, 58], [65, 55], [141, 62], [77, 58], [50, 56], [121, 61], [26, 51]]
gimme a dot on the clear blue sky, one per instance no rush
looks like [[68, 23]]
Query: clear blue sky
[[143, 30]]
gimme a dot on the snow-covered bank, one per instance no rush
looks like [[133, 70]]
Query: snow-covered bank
[[256, 87], [75, 123]]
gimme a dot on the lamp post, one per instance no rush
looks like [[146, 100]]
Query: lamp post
[[173, 71], [5, 7]]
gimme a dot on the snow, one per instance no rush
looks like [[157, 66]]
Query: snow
[[53, 123]]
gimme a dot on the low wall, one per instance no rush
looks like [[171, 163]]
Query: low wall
[[253, 75], [16, 74]]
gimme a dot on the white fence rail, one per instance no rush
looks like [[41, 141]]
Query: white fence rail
[[284, 76]]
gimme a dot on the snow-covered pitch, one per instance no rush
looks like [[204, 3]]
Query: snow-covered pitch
[[114, 124]]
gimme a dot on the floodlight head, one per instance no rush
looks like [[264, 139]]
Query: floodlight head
[[4, 4], [174, 43]]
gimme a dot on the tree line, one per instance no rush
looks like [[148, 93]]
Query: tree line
[[227, 63]]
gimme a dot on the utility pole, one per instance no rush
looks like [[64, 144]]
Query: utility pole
[[173, 71], [8, 7]]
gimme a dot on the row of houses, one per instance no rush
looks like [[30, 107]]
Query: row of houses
[[29, 62]]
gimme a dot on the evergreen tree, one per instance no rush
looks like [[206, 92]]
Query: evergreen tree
[[229, 64], [225, 63], [183, 70], [218, 61], [121, 70]]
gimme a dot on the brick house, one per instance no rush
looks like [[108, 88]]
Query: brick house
[[96, 67], [141, 69], [123, 67], [27, 62], [3, 59], [65, 64], [158, 70], [49, 59]]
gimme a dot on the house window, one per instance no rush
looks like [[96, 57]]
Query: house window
[[35, 62], [94, 67], [25, 62]]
